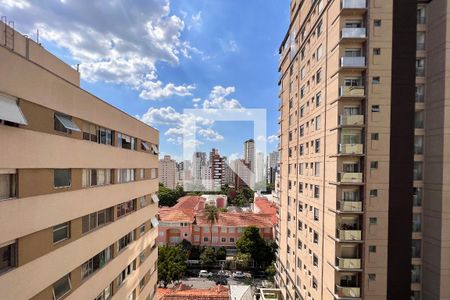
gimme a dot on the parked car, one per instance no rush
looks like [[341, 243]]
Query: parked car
[[222, 281], [222, 273], [204, 273], [238, 274]]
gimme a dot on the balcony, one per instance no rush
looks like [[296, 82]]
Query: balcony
[[420, 71], [353, 4], [421, 20], [346, 235], [353, 33], [350, 206], [352, 91], [351, 149], [347, 177], [351, 120], [348, 292], [353, 62], [348, 263]]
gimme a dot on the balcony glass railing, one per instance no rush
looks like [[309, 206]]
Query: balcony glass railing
[[348, 292], [353, 4], [420, 98], [351, 149], [353, 33], [349, 234], [352, 91], [350, 206], [351, 120], [347, 177], [348, 263], [353, 61]]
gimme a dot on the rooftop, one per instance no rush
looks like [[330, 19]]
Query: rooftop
[[267, 207], [238, 219], [185, 292]]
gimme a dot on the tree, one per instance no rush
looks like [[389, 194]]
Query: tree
[[171, 264], [251, 242], [185, 245], [271, 271], [169, 197], [223, 209], [221, 253], [243, 260], [208, 257], [212, 215]]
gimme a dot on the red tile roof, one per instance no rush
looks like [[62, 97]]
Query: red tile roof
[[238, 219], [184, 292], [189, 202], [176, 215], [267, 207]]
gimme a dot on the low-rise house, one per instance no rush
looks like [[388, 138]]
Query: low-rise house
[[184, 292]]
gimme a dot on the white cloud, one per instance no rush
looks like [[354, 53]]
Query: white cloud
[[196, 100], [210, 135], [272, 138], [217, 99], [114, 43]]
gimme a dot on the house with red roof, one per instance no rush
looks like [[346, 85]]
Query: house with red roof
[[184, 292]]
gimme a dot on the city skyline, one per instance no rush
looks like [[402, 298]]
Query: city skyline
[[182, 61]]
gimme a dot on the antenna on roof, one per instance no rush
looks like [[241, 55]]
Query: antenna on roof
[[37, 36]]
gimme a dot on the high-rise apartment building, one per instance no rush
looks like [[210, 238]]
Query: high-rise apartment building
[[198, 163], [249, 153], [365, 122], [78, 182], [217, 169], [168, 172], [272, 166]]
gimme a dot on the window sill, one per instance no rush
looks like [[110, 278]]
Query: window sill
[[60, 241]]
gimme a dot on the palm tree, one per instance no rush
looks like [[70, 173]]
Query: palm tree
[[212, 215]]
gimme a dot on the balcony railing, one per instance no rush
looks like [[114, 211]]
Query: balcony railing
[[350, 206], [346, 177], [353, 4], [349, 235], [420, 71], [353, 62], [420, 98], [353, 33], [421, 20], [349, 263], [349, 120], [351, 149], [352, 91], [348, 292]]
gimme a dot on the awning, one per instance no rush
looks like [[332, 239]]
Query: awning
[[10, 111], [155, 198], [67, 123], [154, 221], [155, 149], [145, 145]]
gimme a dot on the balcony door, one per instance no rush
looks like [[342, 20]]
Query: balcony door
[[353, 24], [354, 81], [351, 137], [353, 52], [350, 167], [352, 110]]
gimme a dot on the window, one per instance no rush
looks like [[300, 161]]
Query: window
[[315, 261], [315, 238], [318, 125], [377, 23], [373, 193], [372, 249], [316, 214], [126, 142], [376, 51], [420, 93], [376, 80], [8, 180], [418, 170], [375, 108], [63, 123], [96, 219], [417, 223], [420, 67], [223, 240], [125, 240], [61, 232], [317, 169], [105, 294], [61, 177], [372, 277], [416, 248], [142, 229], [126, 208], [316, 191], [374, 164], [126, 272], [319, 52], [301, 149], [417, 196], [318, 99], [302, 111], [231, 239], [8, 255], [142, 283], [375, 136], [205, 239], [317, 145], [96, 263], [415, 273], [319, 75], [61, 287], [142, 256], [373, 221], [96, 177], [153, 173], [419, 119]]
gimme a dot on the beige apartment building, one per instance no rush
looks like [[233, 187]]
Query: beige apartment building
[[78, 179], [168, 172], [364, 208]]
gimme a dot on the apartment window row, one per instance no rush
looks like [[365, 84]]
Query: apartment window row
[[97, 219], [8, 183], [97, 262], [98, 134]]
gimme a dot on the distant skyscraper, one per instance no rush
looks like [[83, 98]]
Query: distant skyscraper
[[272, 166], [249, 153], [259, 168], [198, 161], [168, 171]]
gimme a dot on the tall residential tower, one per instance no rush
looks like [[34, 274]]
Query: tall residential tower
[[364, 152]]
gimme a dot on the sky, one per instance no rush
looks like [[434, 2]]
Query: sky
[[155, 58]]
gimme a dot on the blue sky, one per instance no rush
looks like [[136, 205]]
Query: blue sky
[[154, 58]]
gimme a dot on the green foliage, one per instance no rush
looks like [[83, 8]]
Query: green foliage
[[208, 257], [185, 245], [221, 253], [243, 260], [251, 242], [195, 252], [223, 209], [169, 197], [171, 264], [271, 271]]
